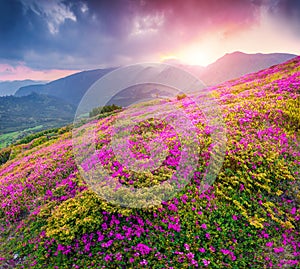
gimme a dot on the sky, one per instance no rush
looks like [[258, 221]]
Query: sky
[[48, 39]]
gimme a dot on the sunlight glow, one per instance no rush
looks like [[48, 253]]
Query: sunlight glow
[[168, 57], [195, 57]]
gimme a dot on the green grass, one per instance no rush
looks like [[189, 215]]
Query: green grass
[[10, 138], [7, 139]]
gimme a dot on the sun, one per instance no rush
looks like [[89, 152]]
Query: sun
[[168, 57], [199, 53], [190, 56], [195, 56]]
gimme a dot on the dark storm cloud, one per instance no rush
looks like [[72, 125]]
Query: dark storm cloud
[[17, 32], [287, 11], [84, 34]]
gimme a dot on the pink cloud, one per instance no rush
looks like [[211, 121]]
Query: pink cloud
[[21, 72]]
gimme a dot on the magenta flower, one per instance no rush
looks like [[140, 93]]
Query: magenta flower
[[293, 211], [242, 187], [108, 257], [143, 249], [131, 260], [173, 207], [107, 244], [119, 257], [212, 249], [175, 227], [278, 250], [186, 246], [190, 255], [269, 244], [234, 217], [195, 263], [204, 226], [265, 235], [225, 251], [144, 262], [206, 262], [202, 250]]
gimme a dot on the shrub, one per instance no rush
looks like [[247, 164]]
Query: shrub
[[181, 96], [4, 155], [76, 216], [102, 110]]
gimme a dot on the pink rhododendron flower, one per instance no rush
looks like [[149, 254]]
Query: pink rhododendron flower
[[278, 250], [204, 226], [131, 260], [206, 262], [293, 211], [242, 187], [144, 262], [212, 248], [269, 244], [265, 235], [225, 251]]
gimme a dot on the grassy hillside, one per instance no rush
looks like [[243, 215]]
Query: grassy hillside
[[9, 138], [249, 218]]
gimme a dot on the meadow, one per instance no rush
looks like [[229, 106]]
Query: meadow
[[248, 218]]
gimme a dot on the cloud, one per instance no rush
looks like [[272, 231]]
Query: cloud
[[143, 25], [22, 72], [54, 12], [287, 12], [84, 34]]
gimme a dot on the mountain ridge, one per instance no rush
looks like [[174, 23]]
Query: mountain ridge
[[236, 64], [230, 66], [10, 87], [64, 87]]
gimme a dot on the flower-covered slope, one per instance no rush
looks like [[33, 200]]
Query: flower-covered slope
[[249, 218]]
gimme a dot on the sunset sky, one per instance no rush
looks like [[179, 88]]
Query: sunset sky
[[48, 39]]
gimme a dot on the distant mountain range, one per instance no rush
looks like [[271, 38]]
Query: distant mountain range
[[237, 64], [10, 87], [72, 88]]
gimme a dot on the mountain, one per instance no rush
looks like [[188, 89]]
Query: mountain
[[10, 87], [70, 88], [19, 113], [240, 208], [237, 64]]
